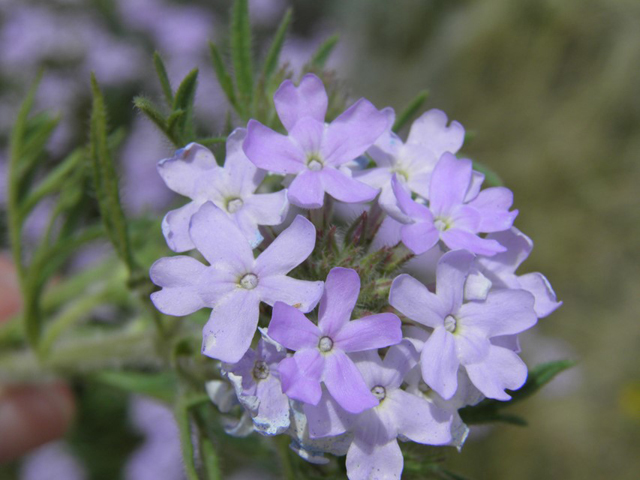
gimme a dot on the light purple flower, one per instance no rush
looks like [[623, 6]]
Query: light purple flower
[[462, 331], [321, 350], [223, 396], [52, 461], [501, 270], [457, 210], [374, 452], [235, 283], [412, 162], [257, 384], [194, 173], [313, 151]]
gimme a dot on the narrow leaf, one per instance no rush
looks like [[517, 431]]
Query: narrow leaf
[[224, 79], [163, 77], [149, 109], [241, 51], [321, 55], [271, 62], [410, 110], [183, 100]]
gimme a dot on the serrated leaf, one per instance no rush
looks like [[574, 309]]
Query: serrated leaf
[[224, 79], [271, 61], [162, 386], [158, 63], [410, 110], [241, 52], [321, 55]]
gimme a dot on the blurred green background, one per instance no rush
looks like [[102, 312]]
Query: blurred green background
[[551, 91]]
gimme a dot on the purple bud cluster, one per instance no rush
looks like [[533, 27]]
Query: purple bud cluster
[[447, 335]]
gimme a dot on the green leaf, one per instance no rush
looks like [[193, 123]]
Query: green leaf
[[489, 410], [491, 178], [162, 386], [39, 131], [321, 55], [151, 111], [163, 77], [173, 120], [224, 79], [410, 110], [183, 100], [271, 62], [241, 52]]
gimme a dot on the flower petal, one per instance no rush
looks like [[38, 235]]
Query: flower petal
[[344, 188], [415, 301], [300, 375], [472, 344], [419, 237], [288, 250], [369, 333], [244, 176], [308, 99], [273, 411], [303, 294], [431, 129], [220, 241], [175, 227], [292, 329], [449, 183], [231, 326], [352, 132], [409, 207], [272, 151], [398, 361], [178, 276], [518, 247], [374, 461], [307, 190], [419, 420], [327, 418], [440, 363], [267, 208], [494, 204], [451, 273], [308, 134], [504, 312], [340, 295], [186, 172], [456, 239], [345, 383], [502, 369], [545, 298]]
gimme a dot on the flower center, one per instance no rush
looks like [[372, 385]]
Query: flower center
[[249, 281], [260, 370], [234, 204], [442, 224], [325, 344], [450, 324], [379, 392], [314, 163]]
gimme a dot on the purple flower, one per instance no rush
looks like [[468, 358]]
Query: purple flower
[[223, 396], [194, 173], [374, 452], [457, 211], [500, 270], [462, 331], [321, 350], [314, 151], [257, 384], [235, 283], [412, 162]]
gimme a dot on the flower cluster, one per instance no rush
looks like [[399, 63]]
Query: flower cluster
[[428, 267]]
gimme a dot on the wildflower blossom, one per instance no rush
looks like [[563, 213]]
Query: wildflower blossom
[[314, 151]]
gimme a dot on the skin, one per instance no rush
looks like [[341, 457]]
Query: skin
[[30, 415]]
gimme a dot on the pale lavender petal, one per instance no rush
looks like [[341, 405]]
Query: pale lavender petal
[[511, 342], [292, 329], [308, 134], [502, 369], [220, 241], [288, 250], [267, 208], [244, 176], [307, 190], [301, 374], [248, 226], [345, 383], [368, 333], [505, 312], [398, 361], [370, 366], [309, 99], [419, 237], [389, 203], [472, 344], [493, 205], [407, 205], [184, 172], [388, 235], [215, 283], [231, 326], [368, 462], [477, 286], [178, 276], [419, 420], [545, 298], [340, 295], [273, 411], [415, 301], [451, 273], [327, 418], [477, 179], [449, 183], [351, 133], [303, 294], [374, 177], [462, 239], [175, 227], [431, 129], [272, 151], [440, 363], [464, 217], [344, 188], [518, 247]]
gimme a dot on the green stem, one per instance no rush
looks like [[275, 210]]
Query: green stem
[[184, 424], [284, 452]]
